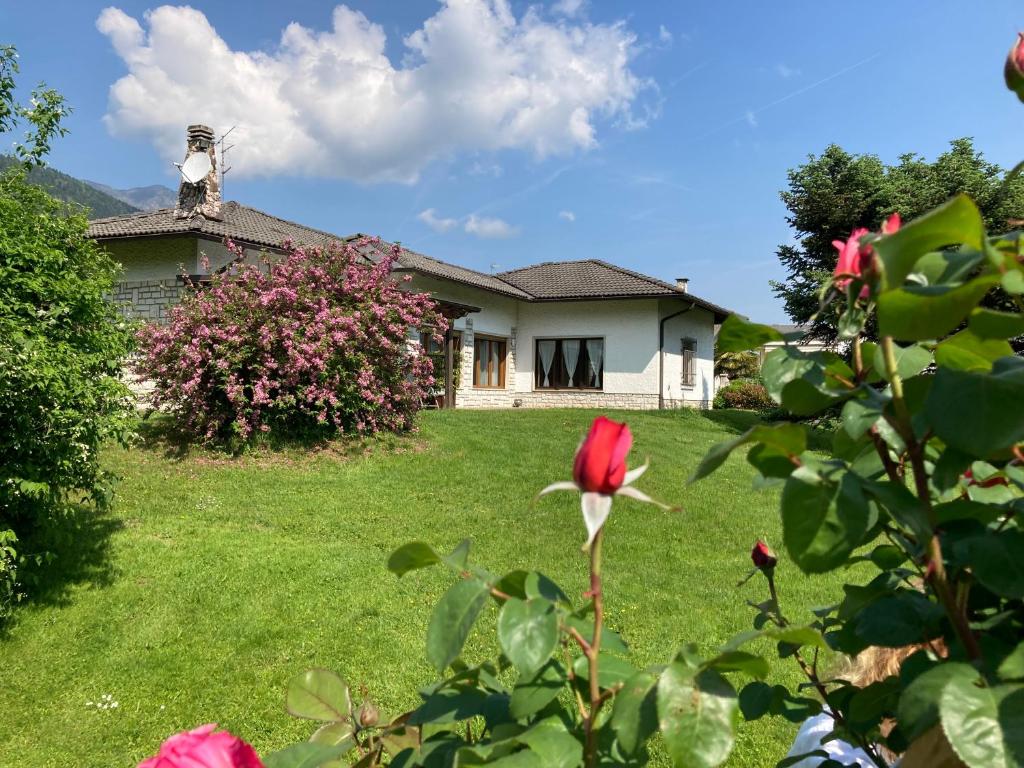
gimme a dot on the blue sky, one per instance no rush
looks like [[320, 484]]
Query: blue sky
[[653, 135]]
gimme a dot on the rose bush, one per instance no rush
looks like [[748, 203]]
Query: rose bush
[[316, 343], [746, 394]]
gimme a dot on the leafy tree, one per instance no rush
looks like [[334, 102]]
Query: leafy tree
[[61, 343], [831, 195]]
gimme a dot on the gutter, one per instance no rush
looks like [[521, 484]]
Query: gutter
[[661, 352]]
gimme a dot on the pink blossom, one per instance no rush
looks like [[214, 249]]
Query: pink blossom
[[204, 747]]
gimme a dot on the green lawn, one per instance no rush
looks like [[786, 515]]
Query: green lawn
[[215, 579]]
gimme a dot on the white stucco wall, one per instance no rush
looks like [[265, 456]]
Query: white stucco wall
[[697, 324], [628, 327]]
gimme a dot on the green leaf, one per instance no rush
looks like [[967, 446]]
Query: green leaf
[[918, 709], [534, 692], [756, 699], [305, 755], [610, 639], [635, 714], [910, 360], [955, 222], [788, 438], [741, 661], [552, 744], [806, 382], [318, 694], [450, 704], [334, 735], [898, 620], [459, 556], [539, 585], [990, 324], [1012, 667], [981, 414], [696, 715], [888, 556], [920, 312], [452, 619], [968, 352], [799, 637], [822, 522], [997, 560], [528, 632], [1013, 282], [739, 335], [868, 705], [985, 726], [411, 556], [611, 670]]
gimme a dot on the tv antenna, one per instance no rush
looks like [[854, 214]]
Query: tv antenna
[[224, 167]]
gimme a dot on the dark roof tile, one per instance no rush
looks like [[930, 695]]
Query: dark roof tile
[[239, 222]]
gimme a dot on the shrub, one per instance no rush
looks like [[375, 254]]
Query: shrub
[[61, 347], [316, 343], [748, 394]]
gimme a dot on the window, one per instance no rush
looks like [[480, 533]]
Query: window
[[569, 364], [489, 362], [438, 355], [689, 362]]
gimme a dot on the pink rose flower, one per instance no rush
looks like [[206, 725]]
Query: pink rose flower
[[857, 260], [204, 747]]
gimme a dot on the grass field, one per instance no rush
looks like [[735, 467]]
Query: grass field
[[215, 579]]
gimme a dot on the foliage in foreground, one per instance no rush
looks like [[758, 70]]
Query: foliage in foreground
[[313, 344], [836, 192], [61, 346]]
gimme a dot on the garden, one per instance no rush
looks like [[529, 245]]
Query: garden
[[290, 552]]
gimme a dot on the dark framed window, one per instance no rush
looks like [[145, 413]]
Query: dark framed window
[[436, 352], [489, 362], [570, 363], [689, 362]]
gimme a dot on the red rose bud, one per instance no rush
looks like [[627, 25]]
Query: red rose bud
[[600, 465], [891, 225], [854, 260], [368, 714], [762, 556], [1014, 71]]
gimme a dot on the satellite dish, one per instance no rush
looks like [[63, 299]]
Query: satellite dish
[[195, 167]]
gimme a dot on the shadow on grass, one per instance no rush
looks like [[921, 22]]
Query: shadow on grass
[[819, 436], [161, 433], [71, 551]]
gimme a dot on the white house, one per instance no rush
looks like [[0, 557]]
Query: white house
[[559, 334]]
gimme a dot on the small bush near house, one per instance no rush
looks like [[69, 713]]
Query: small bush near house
[[748, 394], [61, 346], [311, 345]]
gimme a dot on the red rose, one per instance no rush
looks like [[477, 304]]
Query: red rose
[[204, 747], [853, 261], [600, 465], [762, 556], [1014, 71]]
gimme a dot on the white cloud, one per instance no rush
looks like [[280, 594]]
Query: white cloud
[[474, 78], [484, 226], [664, 35], [568, 7], [751, 118], [786, 72], [436, 223], [567, 215]]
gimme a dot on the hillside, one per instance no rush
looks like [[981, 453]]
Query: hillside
[[72, 190], [144, 198]]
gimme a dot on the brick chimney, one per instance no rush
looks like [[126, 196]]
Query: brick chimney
[[201, 198], [683, 284]]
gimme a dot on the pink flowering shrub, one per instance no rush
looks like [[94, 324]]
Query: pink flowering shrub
[[317, 342]]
